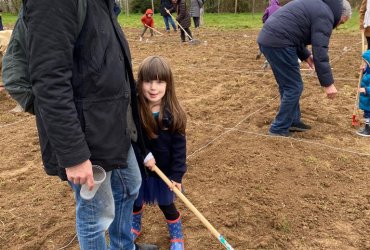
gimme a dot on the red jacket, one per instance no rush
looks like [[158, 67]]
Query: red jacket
[[145, 19]]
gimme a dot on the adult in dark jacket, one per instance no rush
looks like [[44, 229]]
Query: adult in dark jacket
[[183, 18], [84, 90], [167, 4], [283, 41]]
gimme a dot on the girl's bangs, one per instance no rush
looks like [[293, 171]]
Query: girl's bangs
[[155, 69]]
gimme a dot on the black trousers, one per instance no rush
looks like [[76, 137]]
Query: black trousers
[[183, 34], [170, 212], [196, 21]]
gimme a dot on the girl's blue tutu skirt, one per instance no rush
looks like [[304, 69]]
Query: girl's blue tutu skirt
[[154, 191]]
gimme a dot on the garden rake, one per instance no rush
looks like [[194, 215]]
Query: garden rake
[[355, 120], [191, 40], [192, 208], [154, 30]]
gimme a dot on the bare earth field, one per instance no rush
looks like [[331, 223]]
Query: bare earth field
[[307, 192]]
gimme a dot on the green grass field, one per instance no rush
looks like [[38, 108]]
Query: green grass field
[[222, 21]]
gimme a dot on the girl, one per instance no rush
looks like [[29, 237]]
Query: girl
[[163, 121]]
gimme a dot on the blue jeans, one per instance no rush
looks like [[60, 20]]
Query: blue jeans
[[110, 209], [285, 66], [167, 20]]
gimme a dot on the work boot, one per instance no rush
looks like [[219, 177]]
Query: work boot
[[283, 134], [145, 247], [136, 224], [176, 235], [299, 127], [365, 131]]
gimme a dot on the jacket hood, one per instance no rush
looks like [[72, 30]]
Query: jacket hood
[[336, 7], [274, 2], [148, 11], [366, 56]]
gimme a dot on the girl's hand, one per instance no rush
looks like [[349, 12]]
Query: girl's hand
[[150, 164], [149, 161], [361, 90], [177, 185]]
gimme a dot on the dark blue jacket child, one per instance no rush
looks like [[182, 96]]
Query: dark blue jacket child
[[364, 103]]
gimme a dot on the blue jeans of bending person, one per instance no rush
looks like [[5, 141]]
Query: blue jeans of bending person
[[285, 66], [167, 21], [110, 209]]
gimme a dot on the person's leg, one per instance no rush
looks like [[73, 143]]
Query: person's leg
[[151, 32], [189, 33], [172, 23], [166, 23], [125, 186], [137, 215], [94, 216], [182, 35], [285, 66], [174, 226], [1, 23], [144, 30], [196, 21], [365, 130]]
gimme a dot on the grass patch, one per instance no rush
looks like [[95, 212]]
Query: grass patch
[[213, 20]]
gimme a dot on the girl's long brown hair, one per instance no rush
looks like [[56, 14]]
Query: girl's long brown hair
[[156, 68]]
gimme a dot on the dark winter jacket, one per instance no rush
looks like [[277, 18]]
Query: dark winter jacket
[[365, 83], [183, 16], [166, 4], [273, 6], [300, 23], [83, 84], [169, 151]]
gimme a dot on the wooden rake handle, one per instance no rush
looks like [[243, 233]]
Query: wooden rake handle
[[153, 29], [192, 208]]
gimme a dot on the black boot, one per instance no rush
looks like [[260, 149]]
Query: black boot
[[365, 131]]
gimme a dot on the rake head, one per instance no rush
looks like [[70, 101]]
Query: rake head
[[355, 121], [194, 42]]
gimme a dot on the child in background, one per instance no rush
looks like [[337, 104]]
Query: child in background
[[148, 22], [1, 19], [163, 122], [364, 90], [274, 5]]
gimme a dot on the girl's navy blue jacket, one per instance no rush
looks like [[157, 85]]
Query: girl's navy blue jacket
[[169, 151]]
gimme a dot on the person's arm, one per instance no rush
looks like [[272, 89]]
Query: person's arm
[[52, 33], [265, 16], [303, 53], [361, 12], [143, 18], [320, 36], [178, 157]]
